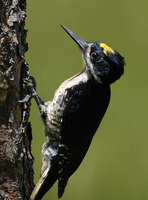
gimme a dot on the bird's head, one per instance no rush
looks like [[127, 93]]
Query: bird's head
[[103, 63]]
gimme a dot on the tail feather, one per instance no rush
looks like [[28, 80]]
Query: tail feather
[[46, 181]]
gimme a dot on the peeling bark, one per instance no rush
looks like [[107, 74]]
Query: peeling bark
[[16, 161]]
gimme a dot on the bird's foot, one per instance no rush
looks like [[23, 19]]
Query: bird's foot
[[31, 85]]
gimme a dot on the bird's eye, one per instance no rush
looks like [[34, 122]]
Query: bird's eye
[[95, 56]]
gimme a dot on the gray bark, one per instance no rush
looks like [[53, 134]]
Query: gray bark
[[16, 161]]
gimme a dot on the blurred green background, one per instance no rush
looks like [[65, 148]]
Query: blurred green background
[[116, 165]]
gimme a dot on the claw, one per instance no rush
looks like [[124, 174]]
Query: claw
[[25, 100], [32, 89], [31, 85], [33, 81]]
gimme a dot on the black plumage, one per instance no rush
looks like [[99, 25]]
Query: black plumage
[[73, 116]]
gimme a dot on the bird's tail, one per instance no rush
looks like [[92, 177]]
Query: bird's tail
[[48, 178]]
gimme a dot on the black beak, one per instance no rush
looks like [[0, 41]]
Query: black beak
[[82, 44]]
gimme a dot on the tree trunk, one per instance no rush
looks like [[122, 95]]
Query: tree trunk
[[16, 161]]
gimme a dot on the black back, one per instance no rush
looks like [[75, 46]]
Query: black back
[[86, 104]]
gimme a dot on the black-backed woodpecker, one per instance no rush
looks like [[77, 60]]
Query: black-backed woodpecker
[[73, 116]]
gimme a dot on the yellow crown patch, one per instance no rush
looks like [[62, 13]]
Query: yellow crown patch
[[107, 49]]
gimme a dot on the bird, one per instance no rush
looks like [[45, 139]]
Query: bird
[[73, 116]]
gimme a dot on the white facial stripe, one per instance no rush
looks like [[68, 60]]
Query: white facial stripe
[[92, 70], [89, 63]]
